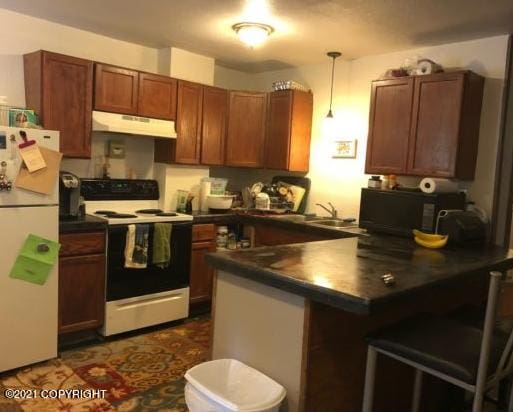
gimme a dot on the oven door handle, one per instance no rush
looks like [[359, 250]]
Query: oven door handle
[[148, 300]]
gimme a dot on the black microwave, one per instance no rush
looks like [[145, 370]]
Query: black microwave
[[397, 212]]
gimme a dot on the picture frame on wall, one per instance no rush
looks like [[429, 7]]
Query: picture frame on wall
[[345, 149]]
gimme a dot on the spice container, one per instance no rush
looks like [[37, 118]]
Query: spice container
[[374, 182], [222, 237], [232, 241]]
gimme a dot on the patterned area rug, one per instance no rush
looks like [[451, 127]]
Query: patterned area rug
[[142, 373]]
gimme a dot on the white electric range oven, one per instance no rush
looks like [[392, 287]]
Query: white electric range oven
[[139, 297]]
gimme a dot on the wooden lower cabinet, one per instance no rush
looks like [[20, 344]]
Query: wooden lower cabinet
[[201, 273], [81, 281], [81, 292], [203, 242]]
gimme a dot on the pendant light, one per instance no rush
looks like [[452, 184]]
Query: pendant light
[[329, 126], [333, 55]]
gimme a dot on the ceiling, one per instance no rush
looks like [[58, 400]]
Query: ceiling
[[304, 29]]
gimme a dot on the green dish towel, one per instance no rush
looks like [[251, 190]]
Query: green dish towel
[[162, 245]]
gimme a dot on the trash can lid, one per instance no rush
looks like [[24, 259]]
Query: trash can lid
[[235, 385]]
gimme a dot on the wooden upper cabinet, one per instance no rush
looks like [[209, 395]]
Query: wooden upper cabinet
[[188, 123], [445, 125], [289, 130], [389, 126], [246, 129], [60, 89], [441, 113], [116, 89], [157, 96], [213, 128]]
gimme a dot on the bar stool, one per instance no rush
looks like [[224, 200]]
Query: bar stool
[[473, 359]]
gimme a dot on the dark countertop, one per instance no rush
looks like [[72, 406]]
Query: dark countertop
[[85, 224], [346, 273], [290, 222], [216, 218]]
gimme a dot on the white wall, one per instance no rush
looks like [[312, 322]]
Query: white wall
[[138, 162], [234, 79], [340, 180], [191, 66], [25, 34]]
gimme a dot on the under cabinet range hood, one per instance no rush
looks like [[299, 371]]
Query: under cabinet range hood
[[129, 124]]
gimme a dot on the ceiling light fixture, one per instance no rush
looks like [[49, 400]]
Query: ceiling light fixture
[[333, 55], [252, 34]]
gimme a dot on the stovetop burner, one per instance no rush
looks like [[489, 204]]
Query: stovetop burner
[[105, 212], [150, 211], [115, 215], [166, 214]]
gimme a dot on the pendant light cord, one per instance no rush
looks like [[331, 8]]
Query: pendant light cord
[[332, 78]]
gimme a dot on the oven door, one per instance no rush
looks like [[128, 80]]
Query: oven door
[[125, 283]]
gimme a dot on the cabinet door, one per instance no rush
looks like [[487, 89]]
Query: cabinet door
[[63, 98], [289, 129], [201, 273], [115, 89], [389, 126], [81, 292], [435, 127], [279, 130], [157, 96], [188, 123], [246, 129], [213, 129]]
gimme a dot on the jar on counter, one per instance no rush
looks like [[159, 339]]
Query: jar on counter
[[374, 182], [245, 243], [232, 241], [222, 237]]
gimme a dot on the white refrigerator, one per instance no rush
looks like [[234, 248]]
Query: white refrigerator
[[28, 311]]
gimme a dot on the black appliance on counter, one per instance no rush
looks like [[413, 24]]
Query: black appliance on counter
[[69, 196], [398, 212], [464, 228]]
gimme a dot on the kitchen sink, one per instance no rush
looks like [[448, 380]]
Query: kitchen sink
[[337, 224]]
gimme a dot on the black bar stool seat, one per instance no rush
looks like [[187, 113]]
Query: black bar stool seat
[[439, 343]]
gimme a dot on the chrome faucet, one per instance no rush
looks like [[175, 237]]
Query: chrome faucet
[[333, 212]]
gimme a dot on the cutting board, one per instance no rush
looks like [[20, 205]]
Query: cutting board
[[301, 181]]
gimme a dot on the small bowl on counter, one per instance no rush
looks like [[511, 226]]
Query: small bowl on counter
[[219, 202]]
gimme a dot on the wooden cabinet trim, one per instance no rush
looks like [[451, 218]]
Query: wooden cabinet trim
[[254, 156], [214, 113], [201, 282], [155, 109], [203, 232], [370, 167], [75, 244], [188, 141], [453, 145], [99, 93], [60, 89], [81, 307]]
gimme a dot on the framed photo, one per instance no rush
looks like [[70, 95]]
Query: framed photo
[[345, 149]]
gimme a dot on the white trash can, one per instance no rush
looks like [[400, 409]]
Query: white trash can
[[227, 385]]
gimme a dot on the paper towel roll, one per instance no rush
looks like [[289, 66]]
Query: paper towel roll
[[434, 185], [204, 192]]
